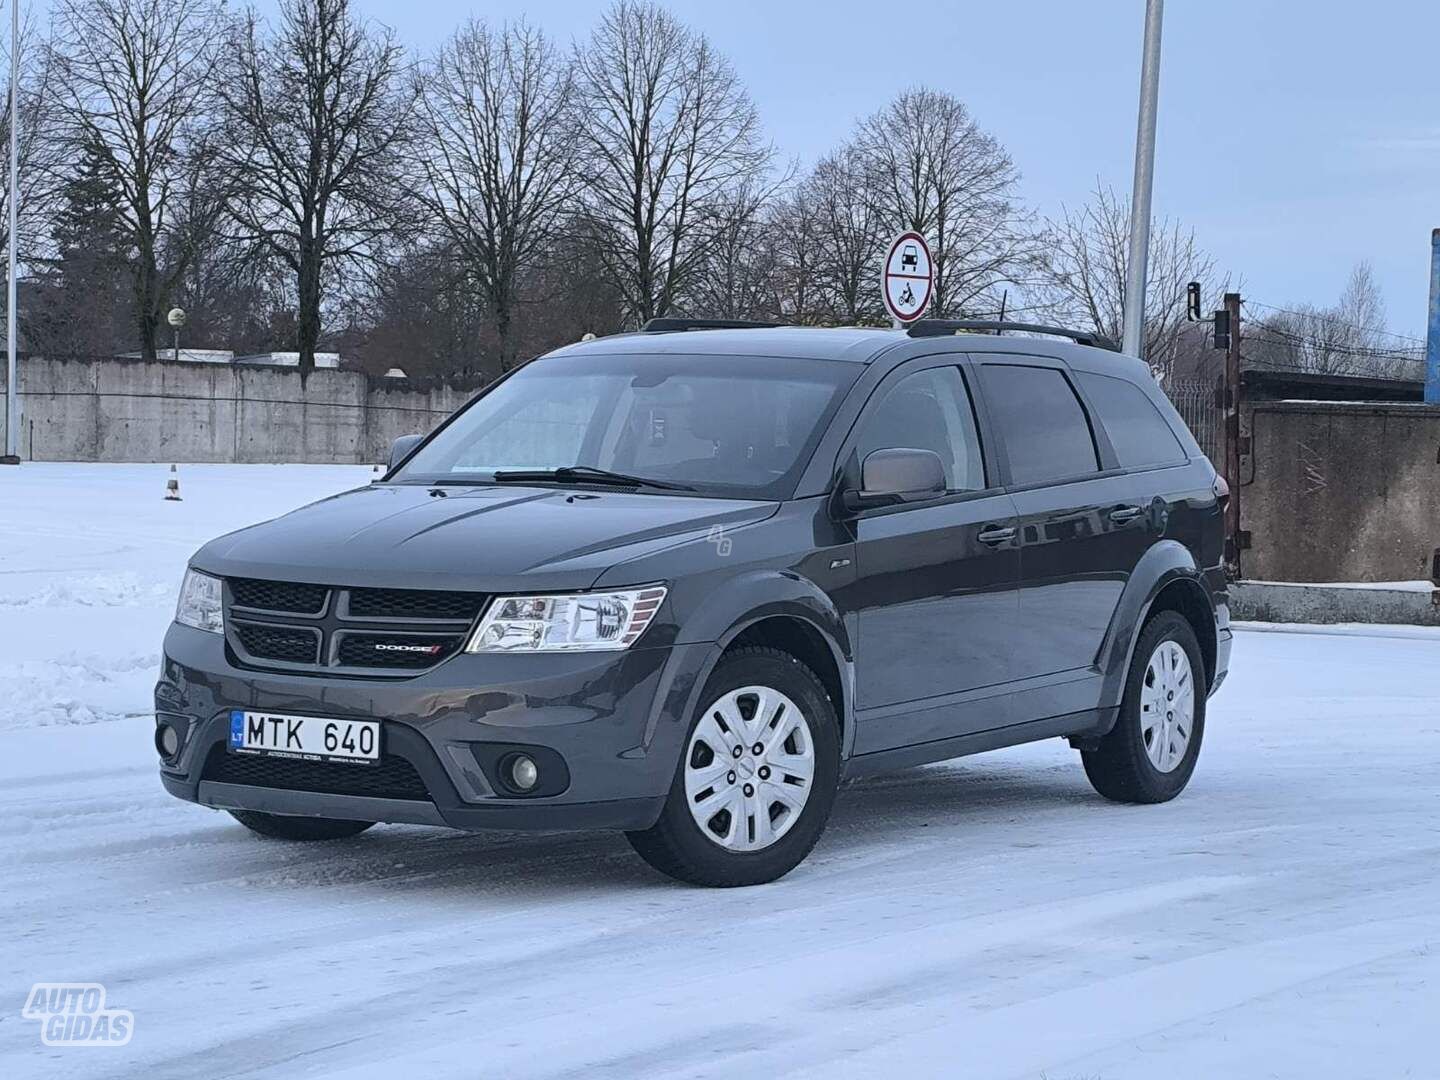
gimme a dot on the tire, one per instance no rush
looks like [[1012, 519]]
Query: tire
[[730, 848], [285, 827], [1124, 767]]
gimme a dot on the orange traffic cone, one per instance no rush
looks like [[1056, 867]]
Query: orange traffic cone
[[172, 486]]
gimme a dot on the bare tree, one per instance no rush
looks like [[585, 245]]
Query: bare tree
[[1085, 280], [316, 113], [1347, 338], [738, 269], [498, 157], [795, 290], [851, 237], [929, 167], [135, 82], [40, 155], [670, 135]]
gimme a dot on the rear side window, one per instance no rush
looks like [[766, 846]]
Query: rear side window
[[1137, 430], [1046, 432]]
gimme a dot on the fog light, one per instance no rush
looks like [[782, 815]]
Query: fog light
[[524, 773], [167, 741]]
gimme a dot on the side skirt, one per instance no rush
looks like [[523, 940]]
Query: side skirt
[[1086, 725]]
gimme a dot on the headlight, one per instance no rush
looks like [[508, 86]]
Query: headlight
[[200, 603], [582, 621]]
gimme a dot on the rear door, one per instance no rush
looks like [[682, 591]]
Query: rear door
[[1082, 519], [935, 595]]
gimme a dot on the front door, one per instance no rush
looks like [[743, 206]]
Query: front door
[[935, 596]]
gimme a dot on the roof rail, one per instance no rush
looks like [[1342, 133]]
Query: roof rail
[[670, 325], [941, 327]]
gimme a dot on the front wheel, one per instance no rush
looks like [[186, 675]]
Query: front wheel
[[754, 788], [284, 827], [1149, 755]]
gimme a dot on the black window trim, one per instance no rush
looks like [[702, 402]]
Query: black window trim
[[846, 465], [1105, 453]]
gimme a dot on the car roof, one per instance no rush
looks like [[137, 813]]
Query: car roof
[[849, 344], [854, 344]]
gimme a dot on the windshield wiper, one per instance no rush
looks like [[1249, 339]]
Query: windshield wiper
[[586, 474]]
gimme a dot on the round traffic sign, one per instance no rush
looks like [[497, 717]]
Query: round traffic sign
[[909, 277]]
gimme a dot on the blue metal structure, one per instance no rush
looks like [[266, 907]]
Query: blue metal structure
[[1432, 337]]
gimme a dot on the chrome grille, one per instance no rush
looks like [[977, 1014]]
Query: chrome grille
[[289, 626]]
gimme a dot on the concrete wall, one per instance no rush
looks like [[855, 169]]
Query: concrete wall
[[130, 410], [1336, 491], [1268, 601]]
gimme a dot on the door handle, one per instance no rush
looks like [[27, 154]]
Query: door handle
[[1121, 514], [994, 535]]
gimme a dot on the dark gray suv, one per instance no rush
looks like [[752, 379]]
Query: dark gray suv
[[683, 582]]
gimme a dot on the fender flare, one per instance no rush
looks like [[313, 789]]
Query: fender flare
[[1164, 564], [756, 595]]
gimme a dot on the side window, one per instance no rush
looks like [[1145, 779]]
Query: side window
[[929, 410], [1047, 435], [1137, 430]]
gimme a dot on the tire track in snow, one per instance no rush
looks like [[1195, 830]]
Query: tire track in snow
[[474, 985]]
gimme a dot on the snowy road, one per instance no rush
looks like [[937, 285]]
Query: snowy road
[[988, 918]]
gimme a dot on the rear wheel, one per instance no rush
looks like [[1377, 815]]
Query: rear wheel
[[1150, 754], [754, 788], [284, 827]]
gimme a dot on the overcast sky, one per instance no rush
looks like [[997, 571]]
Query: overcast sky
[[1295, 136]]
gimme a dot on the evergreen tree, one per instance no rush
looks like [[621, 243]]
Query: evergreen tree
[[83, 303]]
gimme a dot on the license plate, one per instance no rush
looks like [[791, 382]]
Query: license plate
[[309, 738]]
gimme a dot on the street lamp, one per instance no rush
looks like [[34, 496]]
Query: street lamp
[[176, 318], [1136, 265], [12, 411]]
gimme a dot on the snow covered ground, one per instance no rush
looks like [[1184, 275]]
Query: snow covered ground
[[987, 918]]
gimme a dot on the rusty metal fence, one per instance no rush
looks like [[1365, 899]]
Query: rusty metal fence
[[1198, 402]]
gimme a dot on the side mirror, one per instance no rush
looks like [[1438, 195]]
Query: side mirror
[[895, 476], [401, 448]]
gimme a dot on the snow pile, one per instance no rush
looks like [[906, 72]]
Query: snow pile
[[94, 590], [91, 558]]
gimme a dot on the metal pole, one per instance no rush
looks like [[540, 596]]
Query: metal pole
[[1432, 342], [12, 411], [1233, 541], [1135, 266]]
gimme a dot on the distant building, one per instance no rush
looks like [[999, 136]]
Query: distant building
[[189, 356], [289, 359], [1263, 384], [227, 356]]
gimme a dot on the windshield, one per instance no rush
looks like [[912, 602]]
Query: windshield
[[739, 427]]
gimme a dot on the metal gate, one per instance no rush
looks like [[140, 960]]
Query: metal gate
[[1198, 402]]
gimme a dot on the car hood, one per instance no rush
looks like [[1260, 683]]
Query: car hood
[[484, 538]]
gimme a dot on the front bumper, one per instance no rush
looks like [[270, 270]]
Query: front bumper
[[617, 719]]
